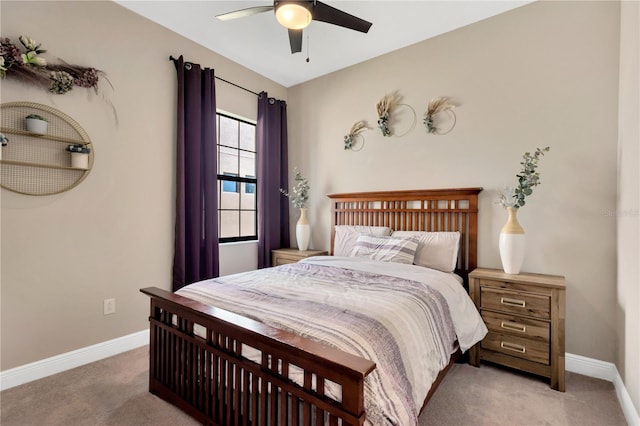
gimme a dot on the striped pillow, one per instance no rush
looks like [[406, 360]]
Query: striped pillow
[[385, 249], [347, 235], [436, 250]]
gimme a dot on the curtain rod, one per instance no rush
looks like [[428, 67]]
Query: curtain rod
[[171, 58]]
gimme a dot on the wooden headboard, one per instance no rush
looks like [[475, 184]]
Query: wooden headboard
[[415, 210]]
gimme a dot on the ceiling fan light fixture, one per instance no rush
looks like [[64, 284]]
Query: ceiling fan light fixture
[[293, 15]]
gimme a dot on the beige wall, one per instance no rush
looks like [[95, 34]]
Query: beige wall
[[543, 74], [628, 211], [113, 234]]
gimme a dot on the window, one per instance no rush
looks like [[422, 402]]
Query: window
[[230, 186], [250, 188], [237, 206]]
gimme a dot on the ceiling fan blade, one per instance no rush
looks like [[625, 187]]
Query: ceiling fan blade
[[243, 12], [325, 13], [295, 39]]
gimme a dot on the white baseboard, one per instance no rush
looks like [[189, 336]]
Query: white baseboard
[[605, 371], [590, 367], [56, 364], [49, 366]]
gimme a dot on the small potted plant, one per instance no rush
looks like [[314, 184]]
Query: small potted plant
[[4, 141], [36, 124], [79, 155]]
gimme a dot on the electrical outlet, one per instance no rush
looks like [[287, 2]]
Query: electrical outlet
[[109, 306]]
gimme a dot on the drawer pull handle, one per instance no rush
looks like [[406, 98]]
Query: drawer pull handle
[[512, 302], [513, 326], [513, 347]]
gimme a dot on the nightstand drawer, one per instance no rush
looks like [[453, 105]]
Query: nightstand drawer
[[284, 261], [292, 255], [517, 326], [515, 302], [517, 347]]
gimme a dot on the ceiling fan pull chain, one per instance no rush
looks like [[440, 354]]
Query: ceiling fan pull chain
[[307, 45]]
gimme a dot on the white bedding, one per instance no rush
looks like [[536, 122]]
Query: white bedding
[[468, 324], [371, 309]]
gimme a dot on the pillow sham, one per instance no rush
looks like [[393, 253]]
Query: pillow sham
[[346, 236], [436, 250], [386, 249]]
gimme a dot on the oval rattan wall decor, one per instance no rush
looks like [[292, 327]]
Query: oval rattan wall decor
[[41, 164]]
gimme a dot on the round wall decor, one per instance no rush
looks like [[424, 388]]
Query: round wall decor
[[41, 164]]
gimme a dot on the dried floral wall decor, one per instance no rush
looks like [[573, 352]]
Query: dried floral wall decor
[[31, 68], [385, 107], [388, 107], [354, 140], [435, 107]]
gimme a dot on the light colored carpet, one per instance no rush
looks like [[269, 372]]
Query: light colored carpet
[[114, 392], [497, 396]]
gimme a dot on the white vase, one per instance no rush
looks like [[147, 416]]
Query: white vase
[[512, 243], [303, 230]]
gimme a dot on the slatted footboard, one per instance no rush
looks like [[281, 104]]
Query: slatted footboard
[[199, 362]]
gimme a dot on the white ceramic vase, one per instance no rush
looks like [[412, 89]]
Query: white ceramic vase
[[303, 230], [512, 243]]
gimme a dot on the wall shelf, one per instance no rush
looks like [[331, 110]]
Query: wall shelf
[[35, 164], [10, 131], [46, 166]]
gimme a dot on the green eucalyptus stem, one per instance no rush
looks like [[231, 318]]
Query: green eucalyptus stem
[[383, 124], [300, 194], [528, 178]]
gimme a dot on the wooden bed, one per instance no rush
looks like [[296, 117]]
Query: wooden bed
[[209, 379]]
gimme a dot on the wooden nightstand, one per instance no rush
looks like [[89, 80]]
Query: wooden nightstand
[[292, 255], [525, 316]]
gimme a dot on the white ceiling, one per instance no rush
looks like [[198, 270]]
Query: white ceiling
[[258, 42]]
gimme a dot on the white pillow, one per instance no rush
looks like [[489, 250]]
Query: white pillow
[[386, 249], [436, 250], [347, 235]]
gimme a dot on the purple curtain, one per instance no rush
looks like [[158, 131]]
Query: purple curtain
[[273, 207], [196, 227]]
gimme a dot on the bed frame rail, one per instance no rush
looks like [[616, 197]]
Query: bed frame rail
[[205, 374]]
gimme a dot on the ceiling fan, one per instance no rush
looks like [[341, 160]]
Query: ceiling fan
[[296, 15]]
